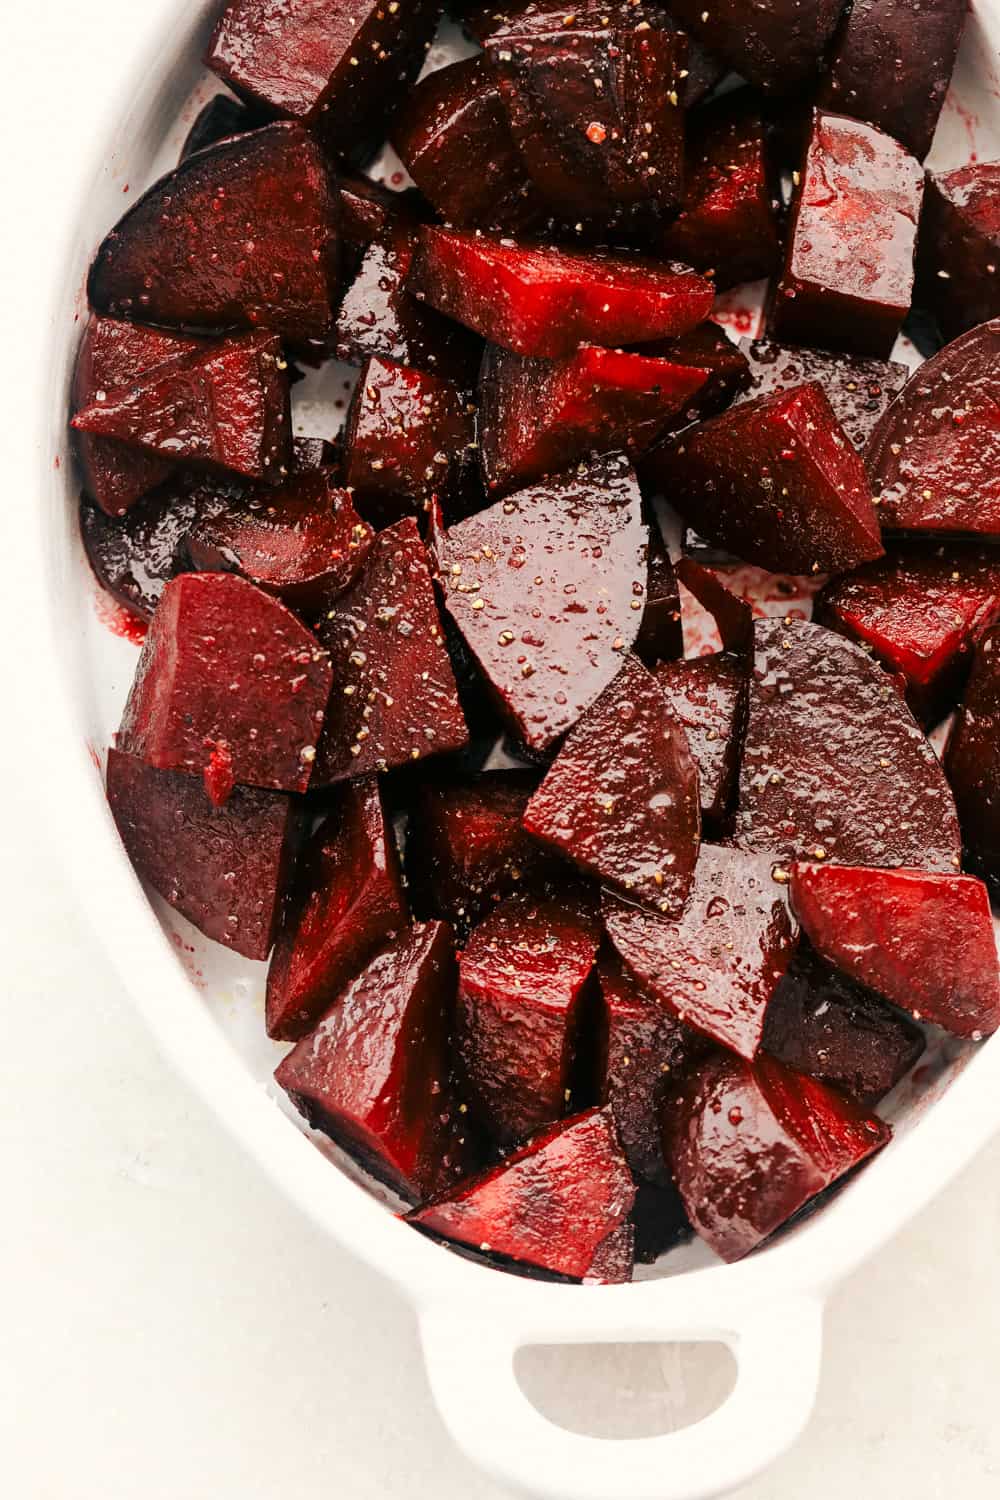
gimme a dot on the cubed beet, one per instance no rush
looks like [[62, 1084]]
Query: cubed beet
[[708, 696], [859, 390], [778, 46], [958, 248], [972, 759]]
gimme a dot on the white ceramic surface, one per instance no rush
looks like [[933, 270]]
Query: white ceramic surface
[[206, 1007]]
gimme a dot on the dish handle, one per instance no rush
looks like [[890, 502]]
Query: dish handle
[[470, 1364]]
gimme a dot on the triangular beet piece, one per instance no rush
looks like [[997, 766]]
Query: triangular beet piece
[[958, 250], [394, 695], [224, 868], [522, 994], [661, 635], [551, 1205], [923, 941], [972, 759], [858, 389], [834, 762], [718, 964], [621, 797], [375, 1072], [708, 696], [183, 255], [346, 902], [542, 586], [539, 300], [751, 1143]]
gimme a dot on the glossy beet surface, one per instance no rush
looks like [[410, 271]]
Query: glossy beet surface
[[834, 761], [958, 252], [777, 46], [858, 389], [345, 904], [660, 634], [220, 118], [972, 758], [707, 695], [923, 941], [705, 348]]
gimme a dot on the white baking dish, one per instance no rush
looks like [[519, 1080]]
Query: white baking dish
[[114, 101]]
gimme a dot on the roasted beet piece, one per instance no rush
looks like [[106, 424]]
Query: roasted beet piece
[[661, 636], [972, 759], [708, 696], [220, 118], [333, 67], [833, 760], [539, 300], [728, 223], [859, 390], [224, 868], [717, 965], [934, 458], [778, 47], [621, 797], [374, 1073], [776, 481], [750, 1144], [848, 276], [892, 63], [541, 586], [227, 669], [522, 998], [923, 941], [554, 1205], [920, 612], [182, 256], [958, 249], [822, 1023], [394, 696], [135, 556], [706, 348], [224, 405], [346, 902], [659, 1222]]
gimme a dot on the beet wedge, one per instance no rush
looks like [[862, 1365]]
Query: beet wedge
[[858, 389], [182, 256], [778, 47], [554, 1205], [706, 348], [751, 1144], [972, 759], [374, 1074], [958, 250], [345, 904], [923, 941], [707, 695], [621, 797], [661, 636]]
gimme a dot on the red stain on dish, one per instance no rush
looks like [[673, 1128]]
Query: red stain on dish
[[768, 594], [186, 954], [738, 316], [396, 179], [119, 620], [57, 462], [968, 120], [95, 756]]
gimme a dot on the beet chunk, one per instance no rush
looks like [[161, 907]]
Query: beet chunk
[[345, 903], [226, 668], [891, 65], [778, 47], [859, 390], [708, 696], [923, 941], [706, 348], [332, 67], [658, 1220], [374, 1073], [621, 797], [181, 255], [776, 481], [537, 417], [822, 1023], [217, 120], [750, 1144], [543, 301], [523, 996], [224, 868], [933, 456], [919, 612], [660, 635], [716, 966], [834, 761], [394, 696], [848, 276], [972, 759], [554, 1205], [958, 249], [541, 586]]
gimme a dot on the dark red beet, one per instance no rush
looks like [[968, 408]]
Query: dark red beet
[[538, 300], [224, 868], [553, 1205], [777, 46], [972, 759], [958, 249], [220, 118], [728, 223], [370, 213], [661, 636], [934, 458], [537, 417], [892, 63], [848, 276], [394, 697], [311, 453], [750, 1144], [182, 256], [335, 68], [706, 348], [822, 1023], [776, 481], [717, 966], [833, 760], [859, 390], [224, 406], [923, 941], [226, 665], [522, 997], [374, 1073], [708, 696], [621, 797], [346, 902], [919, 612], [135, 557], [542, 586]]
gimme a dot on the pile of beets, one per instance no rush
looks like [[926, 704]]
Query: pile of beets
[[581, 943]]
